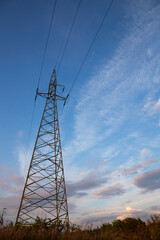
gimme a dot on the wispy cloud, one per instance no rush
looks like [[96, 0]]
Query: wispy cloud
[[152, 107], [138, 166], [115, 93], [109, 119], [109, 153]]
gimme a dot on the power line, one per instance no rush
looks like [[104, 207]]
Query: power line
[[67, 26], [69, 36], [91, 45], [30, 128], [45, 49]]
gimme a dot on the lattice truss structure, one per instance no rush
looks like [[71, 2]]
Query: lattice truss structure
[[44, 193]]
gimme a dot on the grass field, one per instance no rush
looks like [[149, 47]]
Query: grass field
[[127, 229]]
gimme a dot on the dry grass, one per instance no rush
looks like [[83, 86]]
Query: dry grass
[[127, 229]]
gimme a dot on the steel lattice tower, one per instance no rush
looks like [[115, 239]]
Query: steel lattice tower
[[44, 193]]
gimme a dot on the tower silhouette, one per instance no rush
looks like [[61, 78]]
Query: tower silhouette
[[44, 193]]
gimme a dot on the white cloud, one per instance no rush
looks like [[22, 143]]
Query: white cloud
[[20, 133], [99, 217], [144, 152], [149, 52], [24, 158], [135, 213], [157, 105], [152, 107], [110, 153]]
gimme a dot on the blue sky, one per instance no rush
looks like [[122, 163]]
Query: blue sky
[[110, 125]]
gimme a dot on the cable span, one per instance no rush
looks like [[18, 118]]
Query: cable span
[[91, 45], [67, 27], [30, 129], [68, 36], [45, 49], [88, 51]]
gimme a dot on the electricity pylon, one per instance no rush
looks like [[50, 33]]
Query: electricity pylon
[[44, 193]]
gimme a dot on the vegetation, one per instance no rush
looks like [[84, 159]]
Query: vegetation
[[127, 229]]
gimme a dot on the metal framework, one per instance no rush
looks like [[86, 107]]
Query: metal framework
[[44, 193]]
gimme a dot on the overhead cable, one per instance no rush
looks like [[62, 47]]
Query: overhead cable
[[91, 45], [68, 36], [45, 49], [67, 26]]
